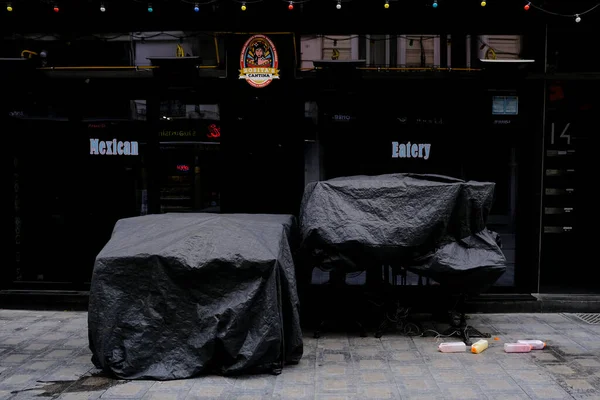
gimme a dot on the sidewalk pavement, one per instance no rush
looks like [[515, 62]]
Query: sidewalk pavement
[[44, 355]]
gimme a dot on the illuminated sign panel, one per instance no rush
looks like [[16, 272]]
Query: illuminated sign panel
[[259, 62], [213, 131], [505, 105]]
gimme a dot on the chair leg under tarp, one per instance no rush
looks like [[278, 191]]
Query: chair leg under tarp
[[459, 326], [340, 307]]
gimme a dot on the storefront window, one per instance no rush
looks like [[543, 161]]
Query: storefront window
[[189, 139], [359, 137], [28, 108], [74, 188]]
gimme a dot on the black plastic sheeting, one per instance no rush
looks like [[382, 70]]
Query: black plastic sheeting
[[178, 295], [358, 222], [470, 264]]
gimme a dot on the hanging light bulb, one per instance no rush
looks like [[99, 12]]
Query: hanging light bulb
[[291, 6], [102, 8], [196, 7], [435, 4], [483, 3], [387, 4], [150, 9], [9, 7], [56, 9], [527, 6], [244, 7], [577, 18], [339, 5]]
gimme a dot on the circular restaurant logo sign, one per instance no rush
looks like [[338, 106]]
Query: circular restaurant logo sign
[[258, 61]]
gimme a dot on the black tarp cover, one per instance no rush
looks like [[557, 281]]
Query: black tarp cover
[[177, 295], [361, 221], [470, 264]]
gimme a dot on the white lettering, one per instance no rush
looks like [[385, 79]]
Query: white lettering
[[134, 148], [339, 117], [402, 151], [414, 151], [411, 150], [94, 146], [427, 148], [113, 147]]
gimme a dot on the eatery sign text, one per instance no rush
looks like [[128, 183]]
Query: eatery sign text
[[411, 150]]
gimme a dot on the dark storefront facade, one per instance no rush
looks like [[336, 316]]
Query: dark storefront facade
[[249, 156], [67, 199], [217, 143], [439, 135]]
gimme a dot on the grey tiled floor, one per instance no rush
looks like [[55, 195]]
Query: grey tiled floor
[[45, 355]]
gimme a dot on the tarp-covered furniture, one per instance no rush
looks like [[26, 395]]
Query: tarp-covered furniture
[[432, 225], [435, 224], [177, 295]]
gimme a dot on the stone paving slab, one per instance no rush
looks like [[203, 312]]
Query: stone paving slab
[[46, 355]]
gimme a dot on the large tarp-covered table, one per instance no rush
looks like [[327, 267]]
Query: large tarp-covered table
[[177, 295], [434, 225]]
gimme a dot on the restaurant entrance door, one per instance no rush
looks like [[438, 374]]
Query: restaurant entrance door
[[569, 184], [263, 156]]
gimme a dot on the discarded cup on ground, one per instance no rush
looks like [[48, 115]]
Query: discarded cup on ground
[[479, 346], [453, 347], [535, 344], [517, 347]]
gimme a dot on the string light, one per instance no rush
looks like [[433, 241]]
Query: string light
[[576, 16], [529, 5]]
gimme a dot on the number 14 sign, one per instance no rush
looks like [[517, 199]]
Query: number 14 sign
[[564, 133]]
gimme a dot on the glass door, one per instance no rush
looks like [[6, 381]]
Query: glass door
[[190, 150], [569, 181]]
